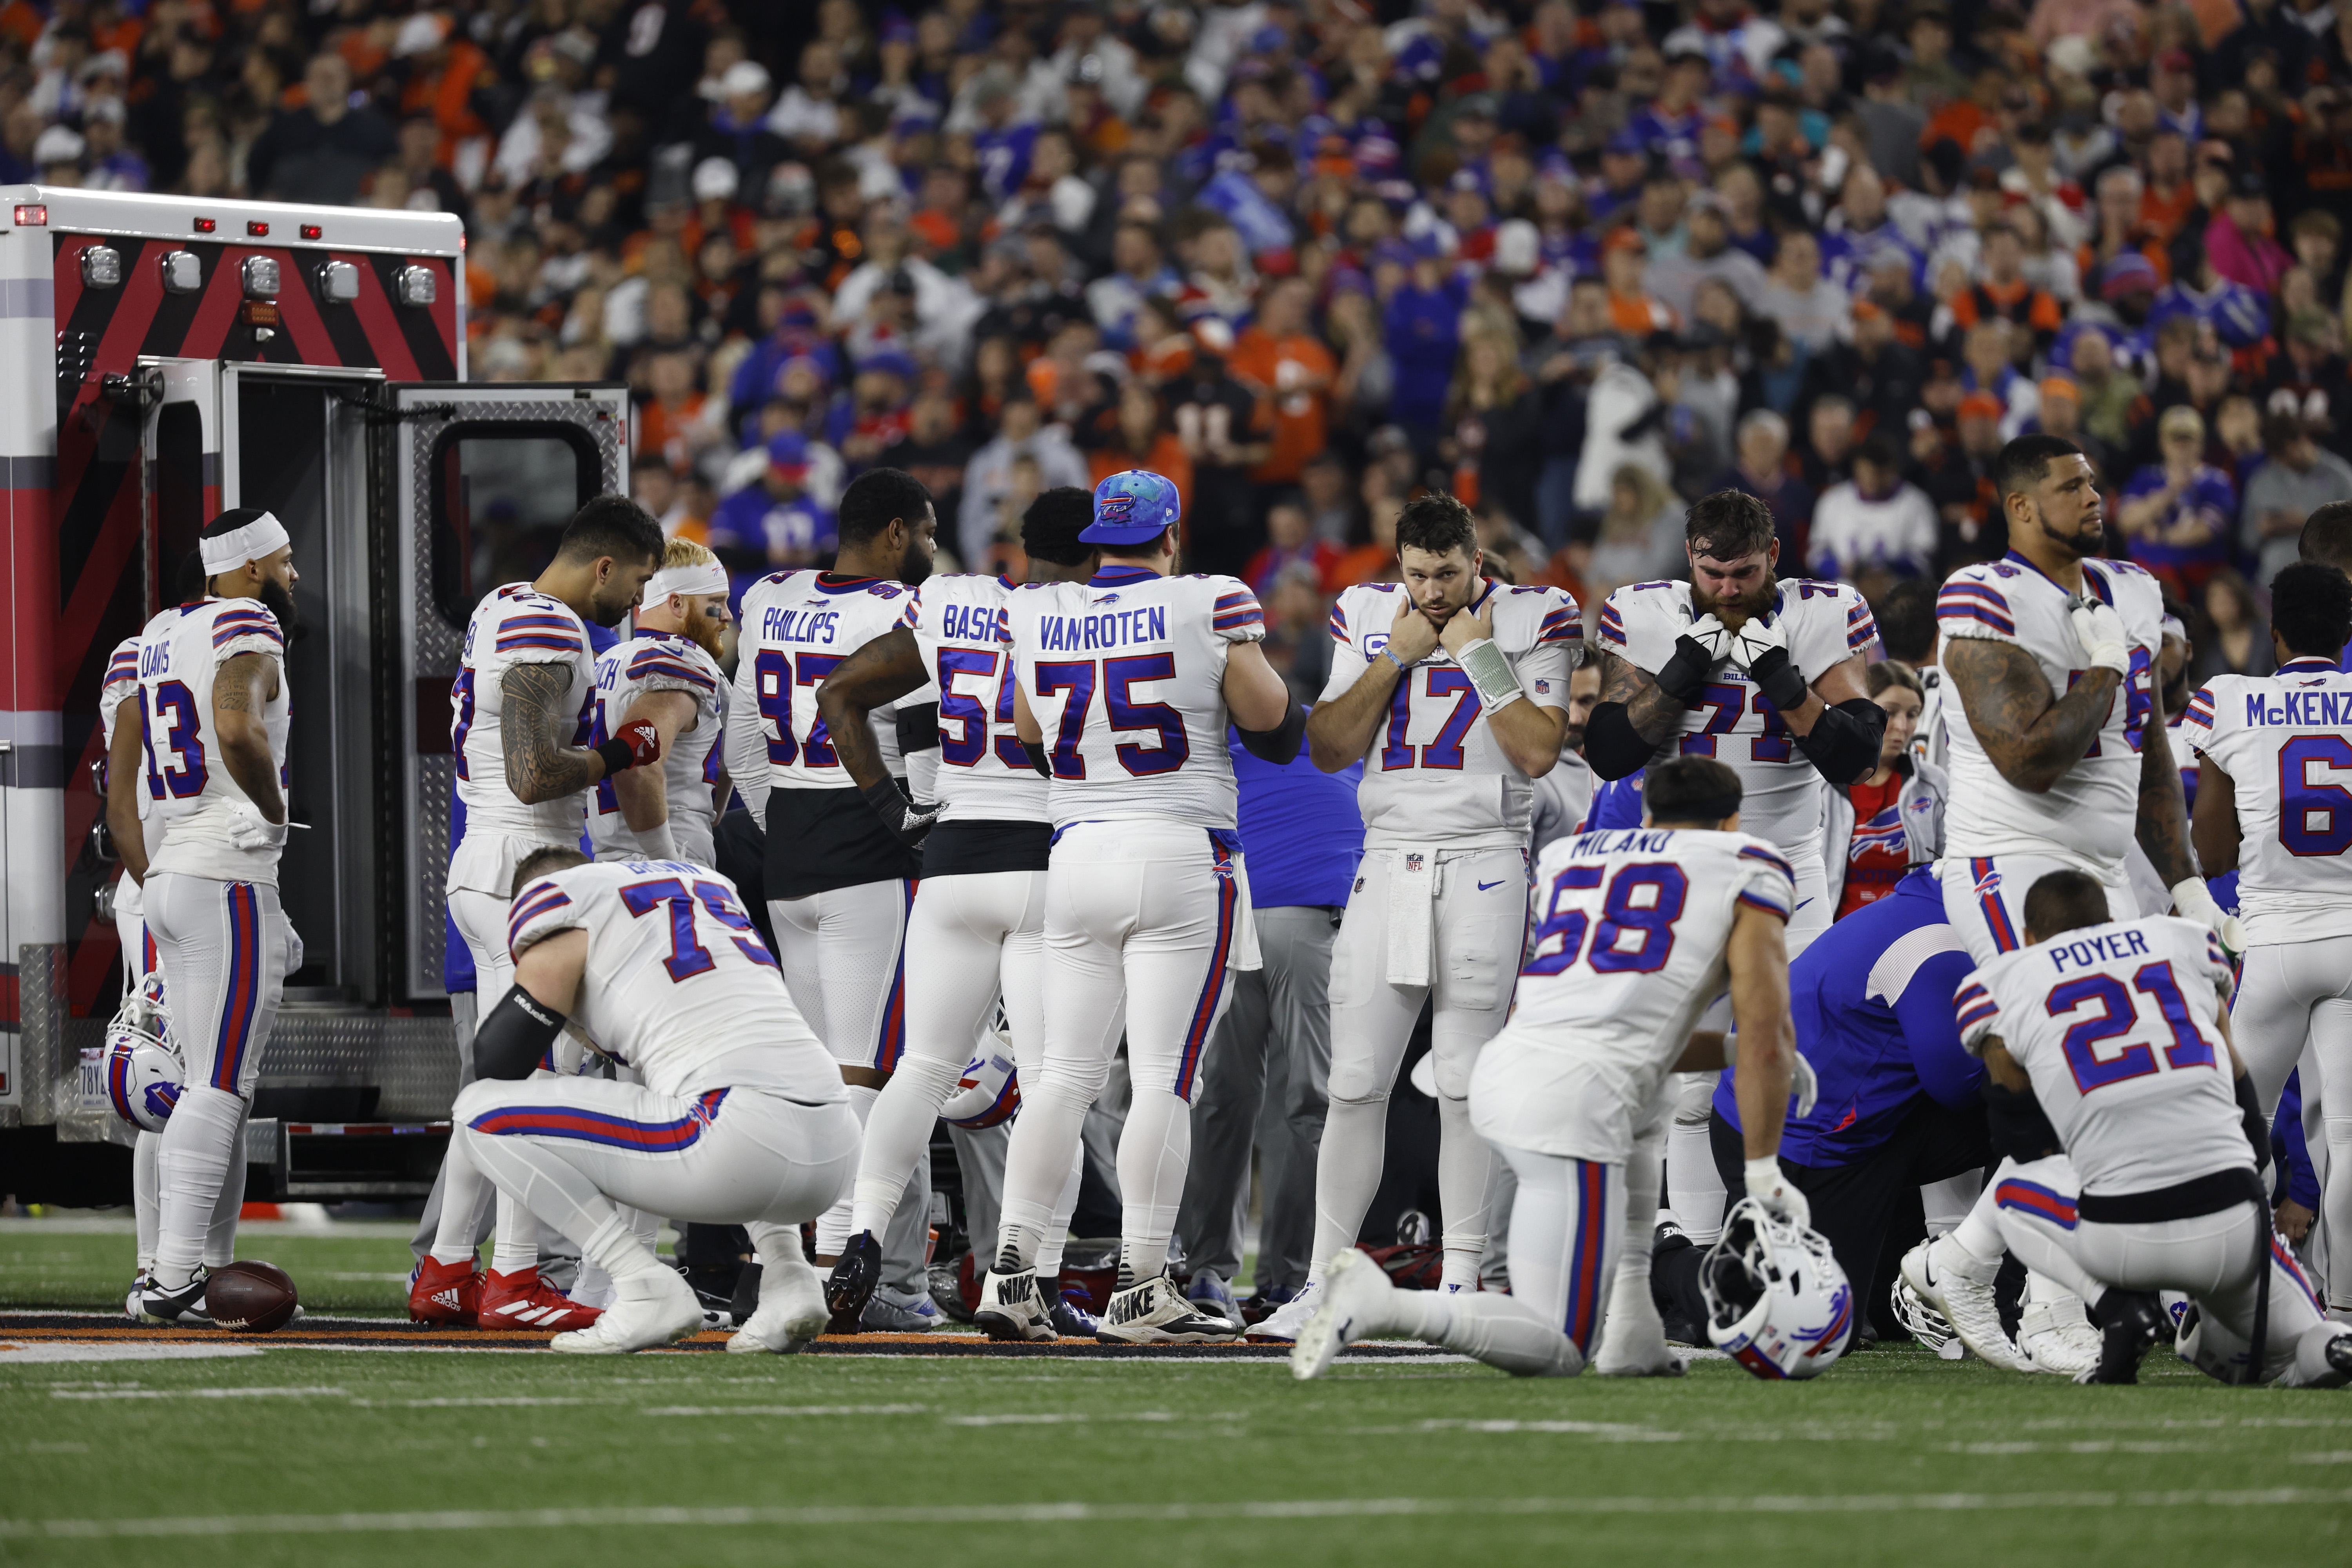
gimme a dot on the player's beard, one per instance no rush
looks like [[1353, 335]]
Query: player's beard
[[1740, 607], [278, 602], [607, 607], [2089, 538], [916, 564], [706, 632]]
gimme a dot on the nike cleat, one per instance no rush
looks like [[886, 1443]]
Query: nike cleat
[[1155, 1313], [1960, 1289], [1349, 1307], [180, 1309], [1010, 1307], [522, 1300], [1070, 1318], [1281, 1326], [650, 1308], [446, 1293], [855, 1275], [2057, 1337]]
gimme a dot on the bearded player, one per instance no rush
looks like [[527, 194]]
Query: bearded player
[[1765, 677], [739, 1118], [521, 708], [667, 676], [1452, 690], [979, 920], [2048, 653], [1126, 682], [840, 879]]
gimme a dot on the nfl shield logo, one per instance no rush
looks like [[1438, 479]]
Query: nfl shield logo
[[1412, 865], [1542, 686]]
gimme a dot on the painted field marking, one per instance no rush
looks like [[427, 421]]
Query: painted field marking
[[786, 1410], [287, 1393], [863, 1516], [24, 1352]]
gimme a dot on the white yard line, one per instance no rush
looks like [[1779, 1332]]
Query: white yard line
[[863, 1516], [34, 1352], [286, 1392]]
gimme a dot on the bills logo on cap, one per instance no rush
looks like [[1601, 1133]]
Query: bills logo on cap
[[1115, 509]]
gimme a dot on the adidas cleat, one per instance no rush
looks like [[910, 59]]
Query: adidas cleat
[[1348, 1308], [180, 1309], [651, 1309], [1010, 1307], [446, 1293], [856, 1273], [1960, 1289], [1155, 1313], [523, 1300], [1281, 1326]]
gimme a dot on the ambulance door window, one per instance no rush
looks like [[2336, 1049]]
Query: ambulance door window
[[501, 496]]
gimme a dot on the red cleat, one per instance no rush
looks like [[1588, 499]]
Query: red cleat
[[448, 1293], [522, 1300]]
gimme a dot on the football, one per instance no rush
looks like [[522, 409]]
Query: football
[[249, 1297]]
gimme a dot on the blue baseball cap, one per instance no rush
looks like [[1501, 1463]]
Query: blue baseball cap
[[1133, 507]]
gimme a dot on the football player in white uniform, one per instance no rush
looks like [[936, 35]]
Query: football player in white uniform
[[741, 1117], [2116, 1028], [127, 808], [1641, 928], [667, 674], [979, 920], [213, 723], [840, 880], [1765, 677], [2048, 654], [1126, 682], [521, 712], [2274, 801], [1452, 689]]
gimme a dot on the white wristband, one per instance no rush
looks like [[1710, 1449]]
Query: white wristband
[[1763, 1175], [1489, 669], [659, 843]]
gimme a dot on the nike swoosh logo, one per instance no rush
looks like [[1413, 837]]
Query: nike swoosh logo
[[1801, 904], [1498, 882]]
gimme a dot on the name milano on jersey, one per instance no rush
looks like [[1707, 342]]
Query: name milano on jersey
[[516, 624], [1435, 772], [1827, 624], [656, 661], [1126, 673], [984, 776], [2088, 815], [2285, 740], [190, 794]]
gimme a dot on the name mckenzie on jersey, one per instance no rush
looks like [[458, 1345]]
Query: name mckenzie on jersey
[[2302, 710]]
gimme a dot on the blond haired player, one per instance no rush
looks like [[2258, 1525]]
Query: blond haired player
[[667, 675]]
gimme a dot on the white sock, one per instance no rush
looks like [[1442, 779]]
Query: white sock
[[1978, 1236], [1501, 1331], [220, 1235], [191, 1167], [146, 1200], [1347, 1174], [1057, 1234], [517, 1247], [1046, 1140], [1693, 1186], [1947, 1202], [466, 1196], [1630, 1303], [833, 1226], [898, 1130], [1154, 1150], [1465, 1191]]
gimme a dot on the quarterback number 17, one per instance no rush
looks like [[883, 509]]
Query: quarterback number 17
[[1116, 679]]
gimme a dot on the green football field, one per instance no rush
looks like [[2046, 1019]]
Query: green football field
[[263, 1453]]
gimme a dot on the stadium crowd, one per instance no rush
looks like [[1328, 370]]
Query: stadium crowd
[[1577, 263]]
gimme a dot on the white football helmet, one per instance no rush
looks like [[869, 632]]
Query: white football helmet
[[990, 1090], [143, 1071], [1776, 1299]]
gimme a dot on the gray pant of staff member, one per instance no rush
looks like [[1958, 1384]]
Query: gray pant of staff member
[[1264, 1084]]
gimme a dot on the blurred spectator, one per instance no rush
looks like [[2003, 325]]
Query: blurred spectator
[[1762, 469], [1226, 431], [1280, 357], [2239, 639], [773, 520], [320, 152], [1291, 541], [1638, 539], [1021, 432], [1874, 527], [2297, 476], [1809, 312], [2175, 514]]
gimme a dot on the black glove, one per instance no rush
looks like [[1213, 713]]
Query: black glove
[[2257, 1127], [907, 821], [1697, 653]]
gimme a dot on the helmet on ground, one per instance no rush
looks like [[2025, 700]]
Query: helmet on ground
[[1134, 506], [1776, 1299], [990, 1090], [144, 1072]]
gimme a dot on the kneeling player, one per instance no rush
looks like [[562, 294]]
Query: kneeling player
[[2113, 1026], [1639, 930], [742, 1118]]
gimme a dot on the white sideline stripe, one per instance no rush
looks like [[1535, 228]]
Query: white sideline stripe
[[1063, 1418], [22, 1352], [288, 1393], [1069, 1512], [785, 1410]]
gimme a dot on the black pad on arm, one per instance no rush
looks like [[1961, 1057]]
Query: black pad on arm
[[1612, 747], [1280, 745], [1844, 741], [509, 1042], [919, 728]]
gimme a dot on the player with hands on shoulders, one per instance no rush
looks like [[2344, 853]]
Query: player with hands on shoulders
[[667, 676]]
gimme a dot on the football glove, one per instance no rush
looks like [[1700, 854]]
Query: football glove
[[907, 822], [249, 829], [1698, 651], [2101, 631], [2194, 901], [1769, 1185], [636, 744], [1762, 648]]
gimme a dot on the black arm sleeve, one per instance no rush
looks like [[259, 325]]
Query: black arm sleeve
[[1036, 752], [509, 1042], [2258, 1130], [1845, 739], [919, 728], [1280, 745], [2016, 1123], [1612, 747]]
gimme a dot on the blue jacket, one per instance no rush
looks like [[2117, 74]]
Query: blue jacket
[[1300, 829]]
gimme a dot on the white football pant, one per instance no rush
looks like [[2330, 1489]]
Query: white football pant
[[2294, 1005], [138, 962]]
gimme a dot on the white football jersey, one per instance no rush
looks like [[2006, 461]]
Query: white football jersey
[[2116, 1027], [1126, 673], [796, 627], [2088, 815], [984, 776], [659, 661], [1628, 948], [678, 984], [1434, 772], [191, 797], [122, 684], [516, 624], [2285, 740], [1827, 624]]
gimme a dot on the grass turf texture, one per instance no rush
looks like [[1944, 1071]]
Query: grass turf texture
[[1179, 1462]]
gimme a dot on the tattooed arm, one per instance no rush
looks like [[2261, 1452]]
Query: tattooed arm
[[2162, 827], [537, 769], [2032, 735], [242, 687], [880, 672], [1654, 715]]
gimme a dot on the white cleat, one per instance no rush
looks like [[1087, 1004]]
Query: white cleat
[[1155, 1313], [2057, 1337], [1634, 1344], [791, 1313], [1281, 1326], [1351, 1304], [1011, 1309], [650, 1308], [1960, 1289]]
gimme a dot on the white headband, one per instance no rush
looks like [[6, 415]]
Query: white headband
[[709, 577], [256, 541]]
